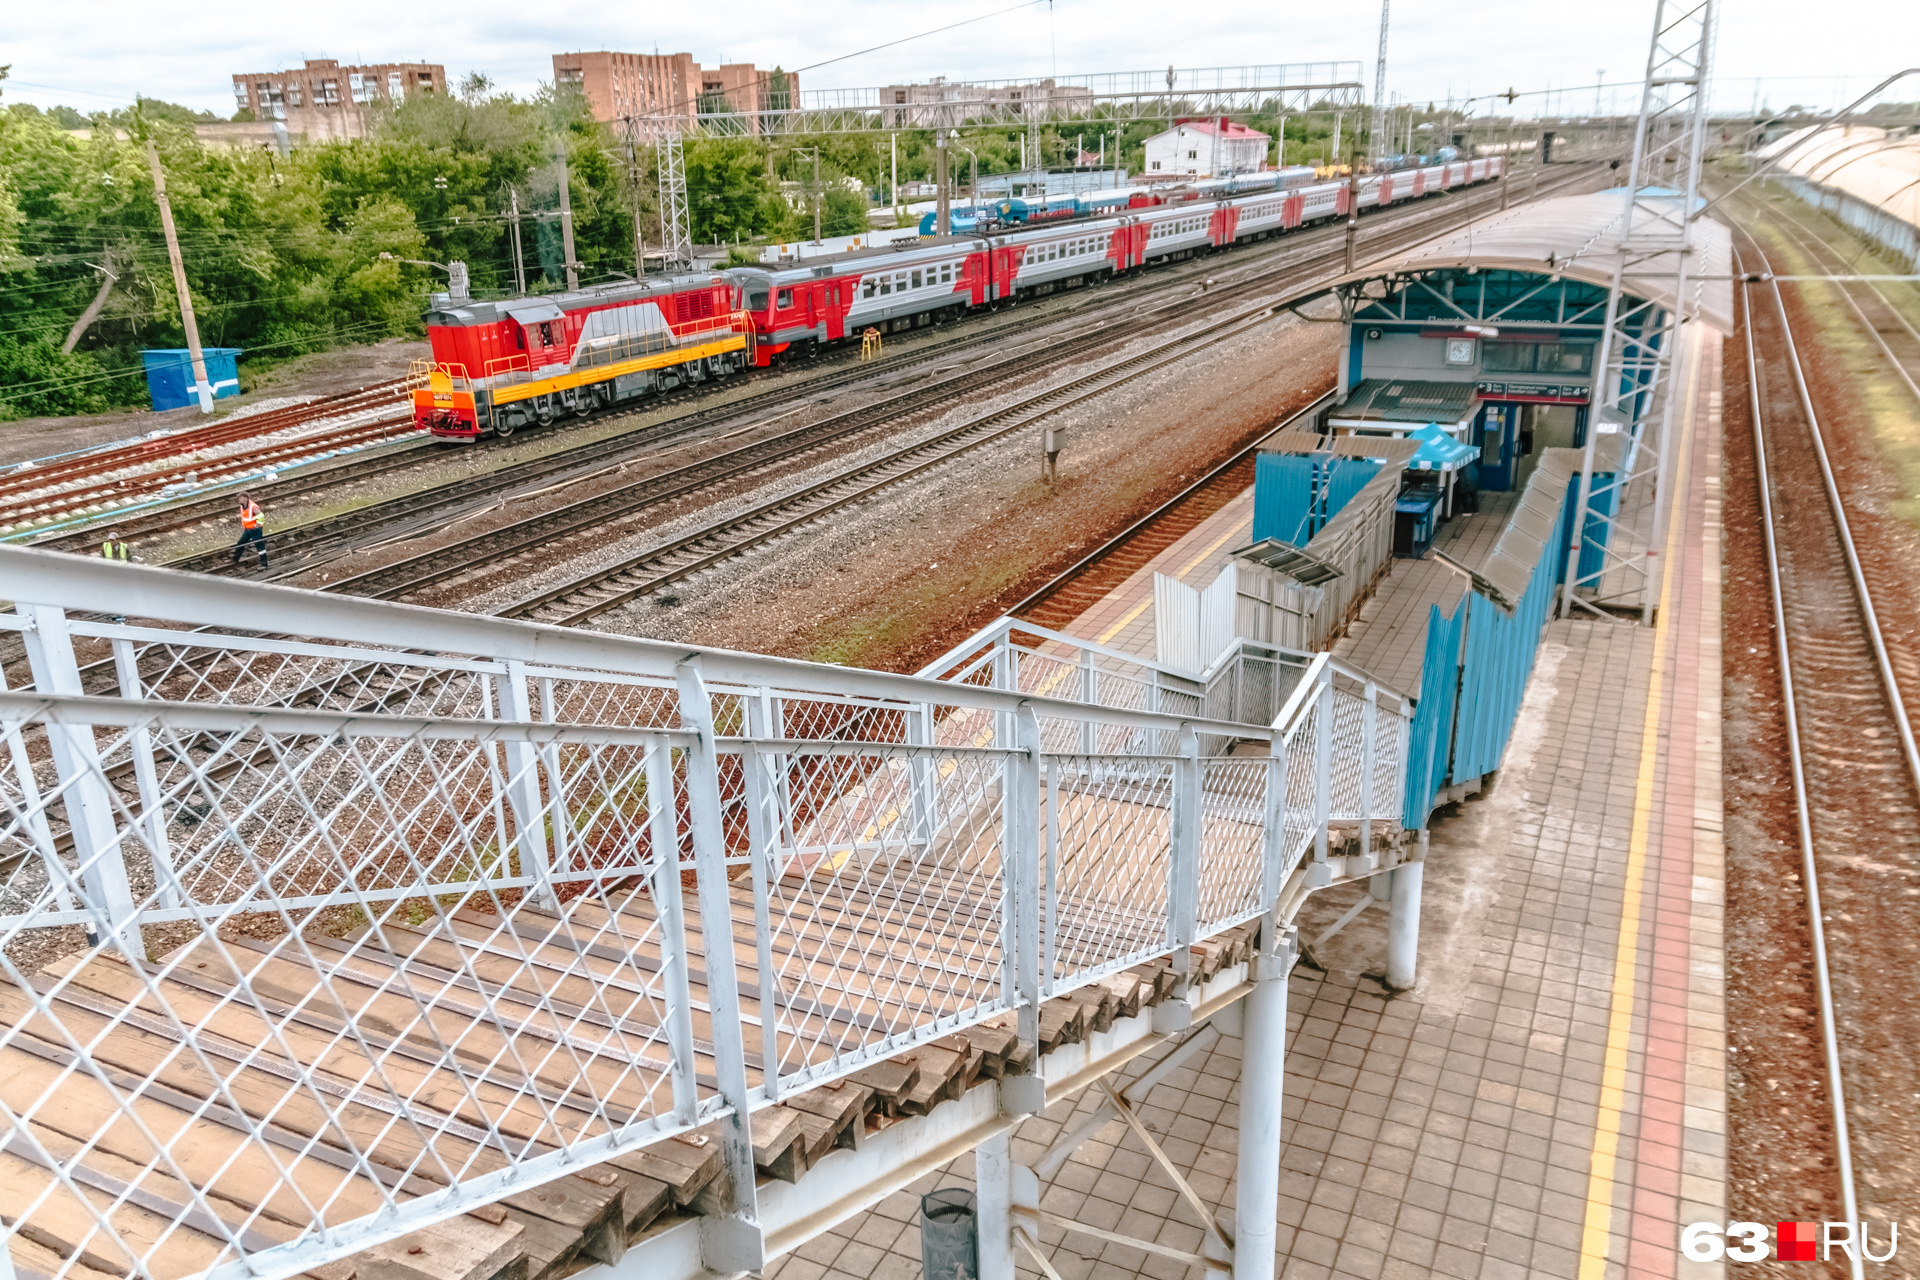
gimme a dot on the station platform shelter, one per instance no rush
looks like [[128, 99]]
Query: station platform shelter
[[1300, 909]]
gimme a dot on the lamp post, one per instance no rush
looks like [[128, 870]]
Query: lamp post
[[457, 285]]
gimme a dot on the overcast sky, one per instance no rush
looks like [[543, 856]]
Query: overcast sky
[[93, 54]]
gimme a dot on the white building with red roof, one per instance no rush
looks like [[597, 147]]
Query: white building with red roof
[[1205, 147]]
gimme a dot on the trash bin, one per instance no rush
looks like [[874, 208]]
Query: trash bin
[[949, 1235]]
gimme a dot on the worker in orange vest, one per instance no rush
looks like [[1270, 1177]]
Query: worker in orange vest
[[251, 534]]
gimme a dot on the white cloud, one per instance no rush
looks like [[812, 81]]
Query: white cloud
[[100, 52]]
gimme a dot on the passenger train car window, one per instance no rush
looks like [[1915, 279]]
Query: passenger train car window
[[886, 285], [916, 279], [866, 290]]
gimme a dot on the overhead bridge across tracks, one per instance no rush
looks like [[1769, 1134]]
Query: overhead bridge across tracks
[[634, 954]]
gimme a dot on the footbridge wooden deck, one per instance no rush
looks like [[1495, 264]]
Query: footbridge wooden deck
[[434, 945]]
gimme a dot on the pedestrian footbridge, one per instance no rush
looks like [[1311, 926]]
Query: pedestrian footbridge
[[389, 940]]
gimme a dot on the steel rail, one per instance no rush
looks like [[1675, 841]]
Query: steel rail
[[1802, 805], [1163, 278], [545, 528], [1166, 508], [737, 535], [1811, 240]]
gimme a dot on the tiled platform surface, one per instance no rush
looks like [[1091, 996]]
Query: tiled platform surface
[[1549, 1101]]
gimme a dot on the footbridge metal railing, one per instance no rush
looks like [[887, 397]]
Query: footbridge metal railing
[[325, 919]]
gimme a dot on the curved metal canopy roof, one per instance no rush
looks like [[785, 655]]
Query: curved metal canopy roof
[[1872, 164], [1579, 237]]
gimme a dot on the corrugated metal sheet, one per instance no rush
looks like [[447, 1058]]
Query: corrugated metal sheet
[[1873, 166], [1579, 236], [1388, 449], [1176, 624], [1296, 495], [1410, 400]]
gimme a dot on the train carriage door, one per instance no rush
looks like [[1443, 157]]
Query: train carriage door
[[838, 295]]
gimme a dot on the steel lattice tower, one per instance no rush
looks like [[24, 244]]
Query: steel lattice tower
[[1634, 393]]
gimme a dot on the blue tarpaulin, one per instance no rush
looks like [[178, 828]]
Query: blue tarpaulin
[[1439, 451], [170, 375]]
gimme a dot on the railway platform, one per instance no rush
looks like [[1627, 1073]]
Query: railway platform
[[1549, 1098]]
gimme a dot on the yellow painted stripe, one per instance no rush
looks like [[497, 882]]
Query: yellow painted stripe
[[607, 372], [1598, 1229], [1191, 565]]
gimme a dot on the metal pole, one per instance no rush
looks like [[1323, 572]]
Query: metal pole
[[993, 1203], [201, 386], [816, 195], [1403, 919], [1263, 1028], [893, 181], [1380, 85], [566, 221], [519, 264], [942, 199]]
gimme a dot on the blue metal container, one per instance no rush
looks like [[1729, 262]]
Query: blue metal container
[[170, 375]]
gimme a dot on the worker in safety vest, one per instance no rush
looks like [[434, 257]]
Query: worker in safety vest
[[113, 548], [251, 532]]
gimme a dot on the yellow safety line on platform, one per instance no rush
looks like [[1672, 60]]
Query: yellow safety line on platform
[[1598, 1230], [1192, 564]]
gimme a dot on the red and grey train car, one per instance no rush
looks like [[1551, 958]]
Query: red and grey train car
[[500, 366]]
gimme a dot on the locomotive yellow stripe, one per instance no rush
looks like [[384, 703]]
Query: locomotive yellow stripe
[[606, 372]]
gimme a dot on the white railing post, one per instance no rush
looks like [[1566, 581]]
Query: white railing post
[[924, 774], [1367, 735], [1021, 894], [663, 838], [1273, 839], [1183, 867], [1089, 694], [562, 825], [1051, 884], [88, 798], [730, 1240], [153, 816], [34, 806], [1322, 768], [763, 850], [523, 789]]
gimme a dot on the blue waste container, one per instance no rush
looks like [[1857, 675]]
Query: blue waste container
[[170, 375]]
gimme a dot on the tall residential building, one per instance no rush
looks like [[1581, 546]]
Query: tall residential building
[[620, 85], [326, 100]]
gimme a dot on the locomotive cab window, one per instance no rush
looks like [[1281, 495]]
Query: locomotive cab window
[[546, 335], [757, 300], [783, 299]]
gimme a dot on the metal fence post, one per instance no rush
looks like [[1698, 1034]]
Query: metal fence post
[[1183, 867], [1020, 896], [663, 839], [1051, 887], [1367, 757], [523, 790], [33, 803], [1322, 769], [731, 1240], [923, 774], [561, 827], [153, 816], [88, 799], [1273, 839], [762, 849], [1089, 694]]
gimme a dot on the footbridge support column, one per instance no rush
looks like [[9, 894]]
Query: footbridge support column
[[1403, 924], [1256, 1204]]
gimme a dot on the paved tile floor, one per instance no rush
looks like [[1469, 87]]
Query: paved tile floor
[[1452, 1130]]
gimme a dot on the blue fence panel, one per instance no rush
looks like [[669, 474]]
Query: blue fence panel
[[1295, 494], [1430, 736], [1282, 495], [1593, 547], [1499, 657]]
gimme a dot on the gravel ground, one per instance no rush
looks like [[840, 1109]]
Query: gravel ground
[[321, 374], [894, 580]]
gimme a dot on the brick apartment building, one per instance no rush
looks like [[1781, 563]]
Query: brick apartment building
[[324, 100], [618, 85]]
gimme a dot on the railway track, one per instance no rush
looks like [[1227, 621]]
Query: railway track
[[426, 509], [544, 534], [1880, 319], [1844, 649], [1087, 582], [66, 487]]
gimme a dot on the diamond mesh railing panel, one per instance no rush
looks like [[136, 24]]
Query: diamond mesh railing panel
[[1233, 798], [1108, 825]]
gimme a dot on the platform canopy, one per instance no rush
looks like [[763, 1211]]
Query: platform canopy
[[1576, 238]]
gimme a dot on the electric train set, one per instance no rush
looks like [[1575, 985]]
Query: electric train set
[[501, 365]]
